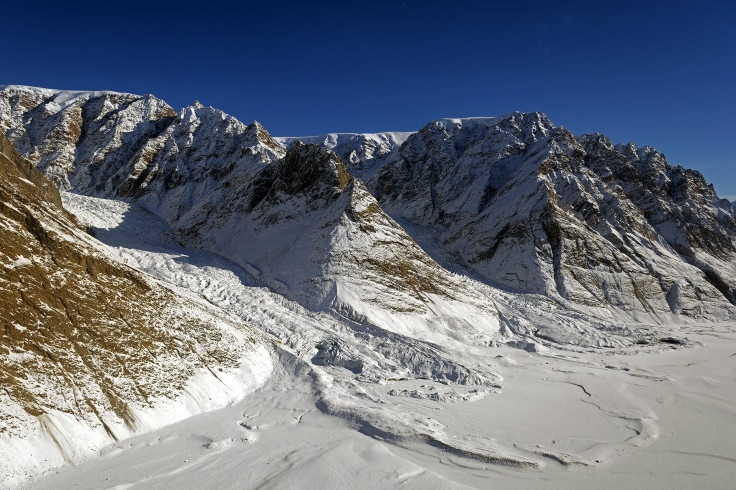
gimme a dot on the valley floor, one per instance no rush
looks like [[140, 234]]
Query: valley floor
[[662, 418], [277, 438]]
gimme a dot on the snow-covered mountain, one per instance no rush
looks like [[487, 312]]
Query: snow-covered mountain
[[93, 351], [530, 207], [296, 220], [515, 201], [363, 153]]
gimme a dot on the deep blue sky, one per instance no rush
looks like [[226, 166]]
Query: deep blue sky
[[659, 74]]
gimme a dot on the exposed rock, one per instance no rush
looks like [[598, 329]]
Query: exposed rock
[[362, 153]]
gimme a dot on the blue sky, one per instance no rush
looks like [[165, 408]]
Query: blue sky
[[655, 73]]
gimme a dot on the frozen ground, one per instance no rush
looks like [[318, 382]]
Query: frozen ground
[[660, 416]]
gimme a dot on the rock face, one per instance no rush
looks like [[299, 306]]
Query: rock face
[[296, 220], [92, 351], [531, 208], [46, 126]]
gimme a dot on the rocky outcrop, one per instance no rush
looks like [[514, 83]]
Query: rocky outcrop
[[92, 351], [684, 211]]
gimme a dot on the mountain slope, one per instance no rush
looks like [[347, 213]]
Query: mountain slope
[[531, 208], [315, 234], [46, 125], [92, 351]]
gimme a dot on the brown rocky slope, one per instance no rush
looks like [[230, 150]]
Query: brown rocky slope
[[90, 350]]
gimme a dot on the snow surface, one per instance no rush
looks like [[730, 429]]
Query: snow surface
[[67, 439], [656, 416]]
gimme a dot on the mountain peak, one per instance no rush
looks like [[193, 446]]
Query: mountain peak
[[307, 165], [257, 133]]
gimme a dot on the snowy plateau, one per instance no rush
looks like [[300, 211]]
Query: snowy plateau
[[487, 302]]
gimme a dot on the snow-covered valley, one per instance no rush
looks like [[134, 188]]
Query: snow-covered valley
[[551, 417], [277, 438]]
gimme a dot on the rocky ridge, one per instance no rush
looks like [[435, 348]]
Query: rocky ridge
[[363, 153]]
